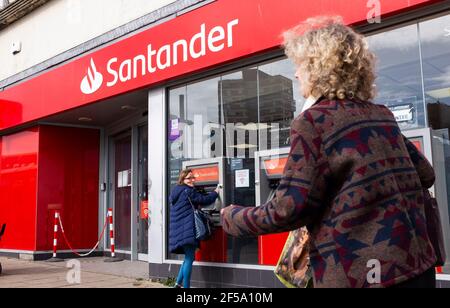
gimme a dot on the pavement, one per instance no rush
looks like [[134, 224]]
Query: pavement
[[92, 273]]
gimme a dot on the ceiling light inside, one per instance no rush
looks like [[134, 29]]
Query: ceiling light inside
[[440, 93], [243, 146], [84, 119], [253, 126], [128, 107]]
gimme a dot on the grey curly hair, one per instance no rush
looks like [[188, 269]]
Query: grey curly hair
[[334, 60]]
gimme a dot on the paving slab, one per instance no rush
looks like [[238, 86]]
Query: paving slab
[[94, 273]]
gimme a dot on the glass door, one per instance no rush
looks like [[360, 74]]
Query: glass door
[[143, 223], [122, 194]]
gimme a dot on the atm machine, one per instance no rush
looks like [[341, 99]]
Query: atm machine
[[269, 167], [209, 173]]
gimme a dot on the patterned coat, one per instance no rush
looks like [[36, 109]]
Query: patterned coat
[[357, 184], [182, 227]]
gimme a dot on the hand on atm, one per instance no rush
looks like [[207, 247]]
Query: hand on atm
[[218, 188]]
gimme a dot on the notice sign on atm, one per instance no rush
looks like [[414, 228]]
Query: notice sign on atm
[[275, 166], [206, 174], [242, 178]]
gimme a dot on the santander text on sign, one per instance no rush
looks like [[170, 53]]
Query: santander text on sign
[[168, 55]]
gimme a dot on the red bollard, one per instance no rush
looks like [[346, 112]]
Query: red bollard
[[55, 239], [111, 236]]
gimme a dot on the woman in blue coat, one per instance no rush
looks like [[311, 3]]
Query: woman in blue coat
[[182, 228]]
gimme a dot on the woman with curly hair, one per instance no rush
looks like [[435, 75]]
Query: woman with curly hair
[[351, 178]]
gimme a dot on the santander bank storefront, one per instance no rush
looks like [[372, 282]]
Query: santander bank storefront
[[209, 90]]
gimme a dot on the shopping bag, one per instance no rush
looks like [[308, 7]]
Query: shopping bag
[[293, 268], [434, 227]]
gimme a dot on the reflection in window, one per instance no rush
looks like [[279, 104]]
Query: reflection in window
[[233, 116], [399, 83], [240, 111], [435, 40], [177, 120], [236, 114], [279, 103]]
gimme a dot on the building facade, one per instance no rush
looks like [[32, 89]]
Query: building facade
[[105, 112]]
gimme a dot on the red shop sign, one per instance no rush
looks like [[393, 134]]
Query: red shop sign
[[203, 38]]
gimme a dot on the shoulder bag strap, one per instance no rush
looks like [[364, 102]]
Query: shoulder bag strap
[[189, 198]]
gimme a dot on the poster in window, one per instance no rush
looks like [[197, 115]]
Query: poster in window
[[242, 178]]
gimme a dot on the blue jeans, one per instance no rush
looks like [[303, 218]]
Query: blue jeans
[[184, 276]]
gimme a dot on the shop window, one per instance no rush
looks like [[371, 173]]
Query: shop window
[[175, 144], [239, 97], [226, 120], [399, 83], [232, 118], [435, 42]]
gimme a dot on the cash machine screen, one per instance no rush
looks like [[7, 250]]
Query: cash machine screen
[[274, 167], [418, 143], [207, 177]]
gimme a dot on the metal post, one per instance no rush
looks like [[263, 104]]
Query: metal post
[[111, 235]]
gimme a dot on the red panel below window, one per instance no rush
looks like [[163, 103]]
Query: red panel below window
[[214, 250]]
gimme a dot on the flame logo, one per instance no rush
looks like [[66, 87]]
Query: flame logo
[[93, 81]]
